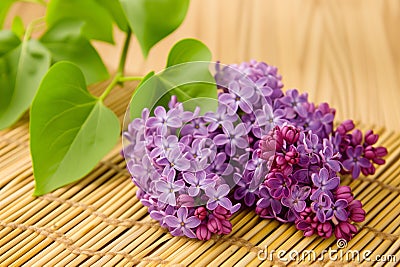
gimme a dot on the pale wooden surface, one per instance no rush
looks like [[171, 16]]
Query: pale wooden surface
[[346, 52]]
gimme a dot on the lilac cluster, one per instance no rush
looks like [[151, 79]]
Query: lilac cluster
[[261, 148]]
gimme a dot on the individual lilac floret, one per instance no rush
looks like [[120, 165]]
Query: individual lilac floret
[[338, 211], [219, 197], [324, 183], [233, 138], [169, 187], [217, 119], [297, 198], [174, 158], [266, 201], [164, 119], [355, 161], [197, 181], [238, 97], [295, 102], [181, 224], [321, 207]]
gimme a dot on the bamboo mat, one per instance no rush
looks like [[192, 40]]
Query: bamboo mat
[[346, 52], [99, 222]]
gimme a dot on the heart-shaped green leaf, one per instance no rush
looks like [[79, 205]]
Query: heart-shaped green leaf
[[191, 82], [115, 9], [21, 71], [188, 50], [66, 42], [70, 129], [4, 6], [152, 20], [98, 22]]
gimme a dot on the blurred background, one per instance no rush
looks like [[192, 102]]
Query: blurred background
[[345, 52]]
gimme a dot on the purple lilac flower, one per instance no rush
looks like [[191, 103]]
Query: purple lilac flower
[[219, 197], [237, 97], [321, 206], [160, 215], [355, 161], [338, 210], [266, 201], [217, 119], [329, 159], [168, 187], [174, 158], [269, 118], [164, 119], [243, 190], [297, 198], [294, 102], [197, 181], [279, 185], [219, 165], [181, 223], [233, 137], [164, 144], [324, 183]]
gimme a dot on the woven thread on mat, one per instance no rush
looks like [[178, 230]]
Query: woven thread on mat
[[59, 237]]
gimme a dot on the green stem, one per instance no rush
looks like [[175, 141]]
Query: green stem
[[130, 78], [30, 29], [111, 86], [121, 67], [122, 61]]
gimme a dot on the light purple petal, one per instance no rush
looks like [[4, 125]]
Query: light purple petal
[[192, 222], [172, 221], [188, 232], [221, 139], [332, 183], [182, 214], [341, 214], [356, 171]]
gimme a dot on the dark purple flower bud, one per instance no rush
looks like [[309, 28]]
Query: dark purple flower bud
[[222, 213], [264, 212], [202, 232], [356, 137], [369, 152], [267, 147], [291, 134], [381, 151], [344, 192], [357, 213], [280, 160], [214, 225], [324, 229], [185, 201], [226, 227], [368, 171], [345, 230], [201, 213], [278, 137], [345, 127], [371, 138], [292, 156]]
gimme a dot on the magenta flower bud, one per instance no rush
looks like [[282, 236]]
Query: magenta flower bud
[[381, 151], [226, 227], [214, 225], [202, 232], [324, 229], [371, 138], [291, 134], [379, 161], [278, 137], [356, 137], [263, 213], [368, 171], [369, 152], [222, 213], [280, 160], [345, 230], [344, 192], [292, 156], [345, 127], [185, 201], [357, 213], [201, 213], [267, 146]]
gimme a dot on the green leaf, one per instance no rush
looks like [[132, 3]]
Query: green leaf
[[8, 41], [18, 26], [190, 82], [152, 20], [115, 9], [4, 7], [188, 50], [98, 22], [21, 71], [66, 42], [70, 129]]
